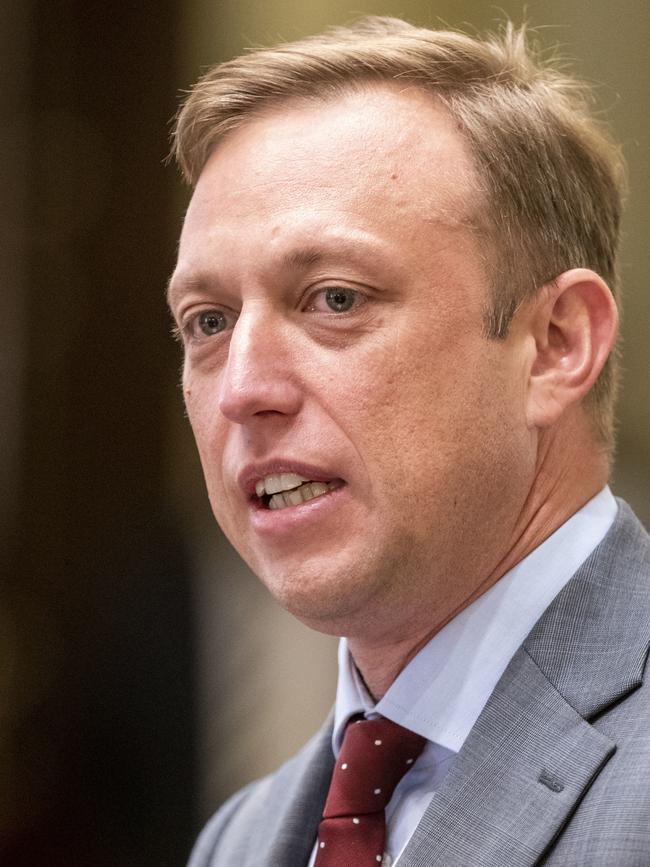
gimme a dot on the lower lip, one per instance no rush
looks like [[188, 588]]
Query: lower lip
[[283, 522]]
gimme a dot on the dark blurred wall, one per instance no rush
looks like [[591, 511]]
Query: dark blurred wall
[[96, 727]]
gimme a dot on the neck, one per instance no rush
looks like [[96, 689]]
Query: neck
[[569, 472]]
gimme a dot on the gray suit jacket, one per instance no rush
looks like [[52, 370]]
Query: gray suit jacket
[[556, 770]]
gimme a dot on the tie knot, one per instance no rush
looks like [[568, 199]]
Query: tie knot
[[374, 757]]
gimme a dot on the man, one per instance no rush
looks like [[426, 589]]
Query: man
[[394, 290]]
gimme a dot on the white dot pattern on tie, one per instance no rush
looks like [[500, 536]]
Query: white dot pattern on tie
[[353, 825]]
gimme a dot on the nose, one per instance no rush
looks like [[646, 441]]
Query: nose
[[260, 376]]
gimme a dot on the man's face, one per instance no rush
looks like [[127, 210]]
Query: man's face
[[330, 293]]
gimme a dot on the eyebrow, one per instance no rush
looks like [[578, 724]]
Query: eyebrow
[[358, 251], [176, 286], [299, 259], [302, 258]]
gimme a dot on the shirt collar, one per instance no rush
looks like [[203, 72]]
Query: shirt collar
[[444, 688]]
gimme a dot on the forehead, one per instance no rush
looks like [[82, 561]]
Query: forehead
[[359, 140], [377, 160]]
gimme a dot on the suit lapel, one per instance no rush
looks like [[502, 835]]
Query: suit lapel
[[592, 641], [517, 778], [296, 808], [533, 753]]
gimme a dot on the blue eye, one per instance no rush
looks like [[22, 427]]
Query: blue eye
[[339, 299], [211, 322]]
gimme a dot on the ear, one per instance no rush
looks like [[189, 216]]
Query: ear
[[574, 326]]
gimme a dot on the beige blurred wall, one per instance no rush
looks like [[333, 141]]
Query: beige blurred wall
[[265, 680]]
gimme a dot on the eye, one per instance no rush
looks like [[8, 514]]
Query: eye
[[207, 323], [339, 300], [211, 322], [335, 299]]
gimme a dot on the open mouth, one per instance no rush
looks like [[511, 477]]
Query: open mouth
[[284, 490]]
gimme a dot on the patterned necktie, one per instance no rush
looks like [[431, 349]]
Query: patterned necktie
[[374, 757]]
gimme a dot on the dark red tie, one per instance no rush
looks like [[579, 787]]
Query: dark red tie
[[374, 757]]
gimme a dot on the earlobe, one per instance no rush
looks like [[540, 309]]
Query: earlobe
[[574, 325]]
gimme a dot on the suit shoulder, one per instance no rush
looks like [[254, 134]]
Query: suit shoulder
[[235, 811], [240, 827]]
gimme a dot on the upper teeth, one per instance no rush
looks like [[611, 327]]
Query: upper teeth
[[281, 482]]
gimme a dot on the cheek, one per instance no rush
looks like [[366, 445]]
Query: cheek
[[357, 391], [204, 417], [414, 397], [429, 413], [382, 400]]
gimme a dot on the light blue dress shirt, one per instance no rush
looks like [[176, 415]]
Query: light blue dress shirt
[[444, 688]]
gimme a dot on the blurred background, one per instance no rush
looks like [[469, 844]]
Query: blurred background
[[144, 673]]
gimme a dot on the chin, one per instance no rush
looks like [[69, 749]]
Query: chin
[[325, 599]]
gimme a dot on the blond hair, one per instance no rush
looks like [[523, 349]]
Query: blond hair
[[554, 177]]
